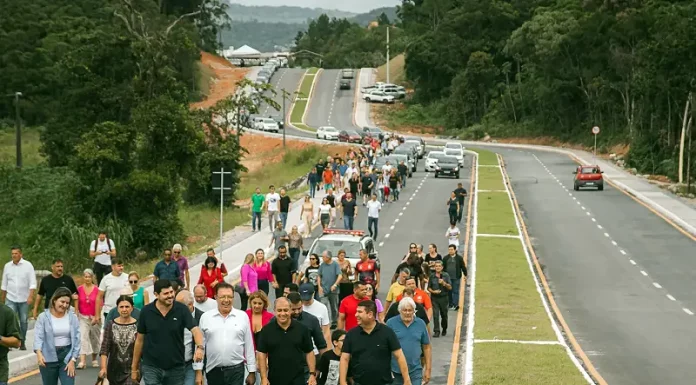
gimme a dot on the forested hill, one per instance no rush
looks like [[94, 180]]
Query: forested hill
[[557, 68], [284, 14]]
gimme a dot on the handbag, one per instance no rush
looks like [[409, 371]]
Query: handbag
[[100, 381]]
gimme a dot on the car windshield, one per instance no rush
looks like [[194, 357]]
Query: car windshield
[[447, 159], [352, 133], [330, 129], [268, 120], [374, 129], [452, 153], [589, 170], [351, 246], [452, 145]]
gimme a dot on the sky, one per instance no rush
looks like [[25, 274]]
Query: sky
[[355, 6]]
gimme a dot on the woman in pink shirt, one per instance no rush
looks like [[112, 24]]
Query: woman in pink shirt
[[258, 313], [263, 271], [249, 282], [90, 328]]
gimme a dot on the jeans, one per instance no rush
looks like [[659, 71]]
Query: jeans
[[312, 189], [416, 377], [453, 216], [348, 222], [372, 222], [229, 375], [256, 220], [440, 303], [22, 311], [295, 256], [189, 375], [153, 375], [330, 300], [461, 211], [272, 219], [100, 271], [54, 371], [454, 293], [284, 219], [403, 179]]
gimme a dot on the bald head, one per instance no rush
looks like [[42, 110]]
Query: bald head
[[200, 293], [283, 300], [186, 298]]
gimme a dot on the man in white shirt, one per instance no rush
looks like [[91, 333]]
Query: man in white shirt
[[186, 298], [229, 343], [203, 303], [373, 208], [452, 235], [272, 202], [102, 249], [386, 170], [110, 289], [18, 287], [316, 309]]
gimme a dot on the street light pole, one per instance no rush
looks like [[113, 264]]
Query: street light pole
[[18, 130], [284, 116], [388, 54]]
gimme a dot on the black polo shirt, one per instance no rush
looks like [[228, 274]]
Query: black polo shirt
[[49, 284], [283, 268], [332, 200], [164, 335], [371, 354], [461, 193], [284, 204], [287, 351], [312, 323]]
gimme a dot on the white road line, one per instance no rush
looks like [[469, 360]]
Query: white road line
[[593, 220], [578, 202], [403, 209], [657, 285], [644, 273], [400, 214], [396, 220], [687, 311], [408, 203], [392, 227], [600, 227], [582, 207], [517, 342], [490, 191], [574, 198], [588, 213], [386, 236], [381, 244], [606, 235], [622, 252], [614, 243], [671, 298], [632, 262]]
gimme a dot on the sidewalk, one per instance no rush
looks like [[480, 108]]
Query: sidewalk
[[237, 244], [362, 108]]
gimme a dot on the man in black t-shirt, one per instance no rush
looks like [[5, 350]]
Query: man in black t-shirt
[[350, 211], [366, 186], [50, 283], [284, 207], [460, 191], [354, 183], [330, 360], [320, 166]]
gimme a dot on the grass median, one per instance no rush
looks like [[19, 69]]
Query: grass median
[[301, 104], [507, 303]]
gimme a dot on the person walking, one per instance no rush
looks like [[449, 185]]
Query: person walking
[[460, 191], [452, 235], [51, 283], [220, 263], [373, 209], [402, 171], [229, 342], [307, 216], [182, 262], [167, 268], [90, 327], [312, 323], [18, 288], [272, 202], [453, 208], [325, 213], [283, 270], [327, 178], [161, 329], [210, 276], [102, 250], [349, 305], [57, 340], [313, 180], [263, 271], [184, 297], [284, 348], [258, 315], [295, 245], [203, 302], [345, 287], [455, 266], [394, 184], [118, 343], [350, 211], [279, 237], [110, 289], [315, 308], [329, 278], [140, 296], [366, 186], [397, 287], [249, 281], [368, 350], [10, 335], [113, 313], [329, 362], [439, 288], [368, 270], [412, 334], [311, 274], [284, 207], [257, 202]]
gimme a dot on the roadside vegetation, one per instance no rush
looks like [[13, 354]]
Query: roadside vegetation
[[507, 303], [303, 96]]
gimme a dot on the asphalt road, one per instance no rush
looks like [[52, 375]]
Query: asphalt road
[[421, 220], [288, 79], [330, 105], [621, 275]]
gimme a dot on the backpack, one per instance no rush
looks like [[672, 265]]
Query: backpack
[[108, 244]]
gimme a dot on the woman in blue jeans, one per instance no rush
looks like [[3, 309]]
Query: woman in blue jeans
[[57, 340]]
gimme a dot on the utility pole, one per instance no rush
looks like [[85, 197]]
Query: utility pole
[[388, 53], [222, 189], [285, 95], [18, 130]]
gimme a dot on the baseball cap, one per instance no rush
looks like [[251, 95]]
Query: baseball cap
[[306, 291]]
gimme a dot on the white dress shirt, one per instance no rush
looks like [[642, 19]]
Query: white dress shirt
[[228, 340], [209, 304], [18, 279], [188, 342]]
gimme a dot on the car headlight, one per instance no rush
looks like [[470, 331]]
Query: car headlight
[[456, 169]]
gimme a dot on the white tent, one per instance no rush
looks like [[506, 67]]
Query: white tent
[[245, 50]]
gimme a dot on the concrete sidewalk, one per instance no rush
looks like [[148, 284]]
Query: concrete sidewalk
[[237, 242]]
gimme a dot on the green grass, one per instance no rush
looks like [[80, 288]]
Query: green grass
[[504, 364], [486, 158], [297, 111], [30, 146], [300, 106], [495, 215], [490, 178], [307, 81], [507, 303], [397, 74]]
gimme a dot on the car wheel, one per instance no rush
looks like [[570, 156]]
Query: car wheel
[[600, 187], [576, 187], [457, 176], [436, 174]]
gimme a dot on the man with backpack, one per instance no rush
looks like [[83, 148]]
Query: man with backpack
[[102, 249]]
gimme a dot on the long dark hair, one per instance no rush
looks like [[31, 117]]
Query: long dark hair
[[60, 293]]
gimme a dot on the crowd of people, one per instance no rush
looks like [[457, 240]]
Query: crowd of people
[[328, 325]]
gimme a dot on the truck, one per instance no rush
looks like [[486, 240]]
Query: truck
[[347, 73]]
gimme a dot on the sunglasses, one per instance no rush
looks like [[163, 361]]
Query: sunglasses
[[312, 259], [136, 281], [167, 255], [177, 252]]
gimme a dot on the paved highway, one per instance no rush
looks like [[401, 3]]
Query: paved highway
[[420, 216], [321, 107], [288, 79], [621, 275]]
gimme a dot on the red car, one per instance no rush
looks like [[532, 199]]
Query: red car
[[349, 136], [588, 176]]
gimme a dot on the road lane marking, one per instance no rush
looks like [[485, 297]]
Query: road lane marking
[[614, 243], [632, 262], [622, 252], [401, 213], [381, 244], [657, 285], [593, 220], [671, 298], [600, 227], [606, 235], [392, 227], [396, 220], [644, 273], [386, 236], [687, 311]]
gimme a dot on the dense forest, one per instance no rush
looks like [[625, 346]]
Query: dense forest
[[343, 43], [557, 68], [285, 14], [109, 82]]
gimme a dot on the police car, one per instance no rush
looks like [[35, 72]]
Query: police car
[[351, 241]]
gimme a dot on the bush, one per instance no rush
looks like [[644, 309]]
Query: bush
[[303, 156]]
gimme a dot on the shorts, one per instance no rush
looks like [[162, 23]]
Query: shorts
[[367, 191]]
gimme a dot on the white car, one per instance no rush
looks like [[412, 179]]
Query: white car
[[327, 132], [431, 160], [454, 146], [378, 96], [459, 154], [350, 241], [266, 124]]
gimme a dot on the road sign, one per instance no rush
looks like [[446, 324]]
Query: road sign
[[595, 130]]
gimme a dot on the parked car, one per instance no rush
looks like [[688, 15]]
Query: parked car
[[459, 154], [327, 133], [379, 97], [588, 176], [267, 124], [349, 136], [420, 145], [374, 131], [279, 120]]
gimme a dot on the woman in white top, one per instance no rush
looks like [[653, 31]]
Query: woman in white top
[[325, 213], [57, 340]]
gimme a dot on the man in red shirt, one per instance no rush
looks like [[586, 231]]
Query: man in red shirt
[[348, 307], [368, 270], [419, 296]]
